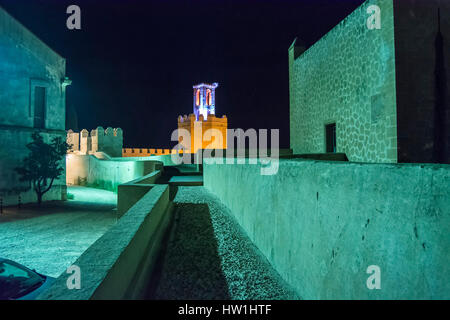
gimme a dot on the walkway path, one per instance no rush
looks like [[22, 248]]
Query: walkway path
[[209, 256], [50, 238]]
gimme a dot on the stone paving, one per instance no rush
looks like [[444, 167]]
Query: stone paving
[[50, 238]]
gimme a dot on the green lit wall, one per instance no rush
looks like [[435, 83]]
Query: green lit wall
[[321, 224], [26, 62], [88, 170], [348, 77]]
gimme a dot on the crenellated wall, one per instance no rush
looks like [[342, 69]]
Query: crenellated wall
[[109, 141], [144, 152]]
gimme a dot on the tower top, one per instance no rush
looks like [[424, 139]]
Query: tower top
[[214, 85], [204, 99]]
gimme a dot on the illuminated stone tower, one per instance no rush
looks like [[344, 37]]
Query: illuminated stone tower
[[204, 99], [205, 129]]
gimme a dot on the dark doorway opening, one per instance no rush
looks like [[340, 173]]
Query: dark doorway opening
[[330, 134]]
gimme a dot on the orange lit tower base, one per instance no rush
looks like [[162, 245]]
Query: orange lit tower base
[[204, 134]]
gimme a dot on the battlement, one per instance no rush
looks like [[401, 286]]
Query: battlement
[[109, 141], [192, 118], [144, 152]]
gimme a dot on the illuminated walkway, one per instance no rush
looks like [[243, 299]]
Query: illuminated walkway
[[50, 238], [208, 256]]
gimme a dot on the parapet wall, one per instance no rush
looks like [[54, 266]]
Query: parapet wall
[[144, 152], [88, 170], [119, 265], [109, 141], [211, 118], [322, 224]]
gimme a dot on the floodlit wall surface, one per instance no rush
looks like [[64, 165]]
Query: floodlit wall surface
[[88, 170], [13, 149], [25, 64], [131, 192], [120, 263], [347, 78], [321, 224]]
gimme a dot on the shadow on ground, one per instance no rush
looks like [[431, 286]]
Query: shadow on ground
[[190, 267], [209, 256]]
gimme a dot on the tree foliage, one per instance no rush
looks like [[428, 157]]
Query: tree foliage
[[43, 164]]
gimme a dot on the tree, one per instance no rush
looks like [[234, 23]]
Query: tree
[[43, 164]]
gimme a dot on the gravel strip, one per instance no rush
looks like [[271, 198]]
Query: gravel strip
[[209, 256]]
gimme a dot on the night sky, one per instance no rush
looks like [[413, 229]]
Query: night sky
[[133, 63]]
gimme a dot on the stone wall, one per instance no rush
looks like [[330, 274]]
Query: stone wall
[[131, 192], [144, 152], [13, 149], [89, 170], [200, 130], [119, 265], [109, 141], [26, 63], [347, 77], [321, 224], [165, 160]]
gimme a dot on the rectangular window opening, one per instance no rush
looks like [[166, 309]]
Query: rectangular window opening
[[39, 107], [330, 133]]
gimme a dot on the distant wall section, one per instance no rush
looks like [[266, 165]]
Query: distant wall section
[[88, 170], [109, 141], [144, 152]]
